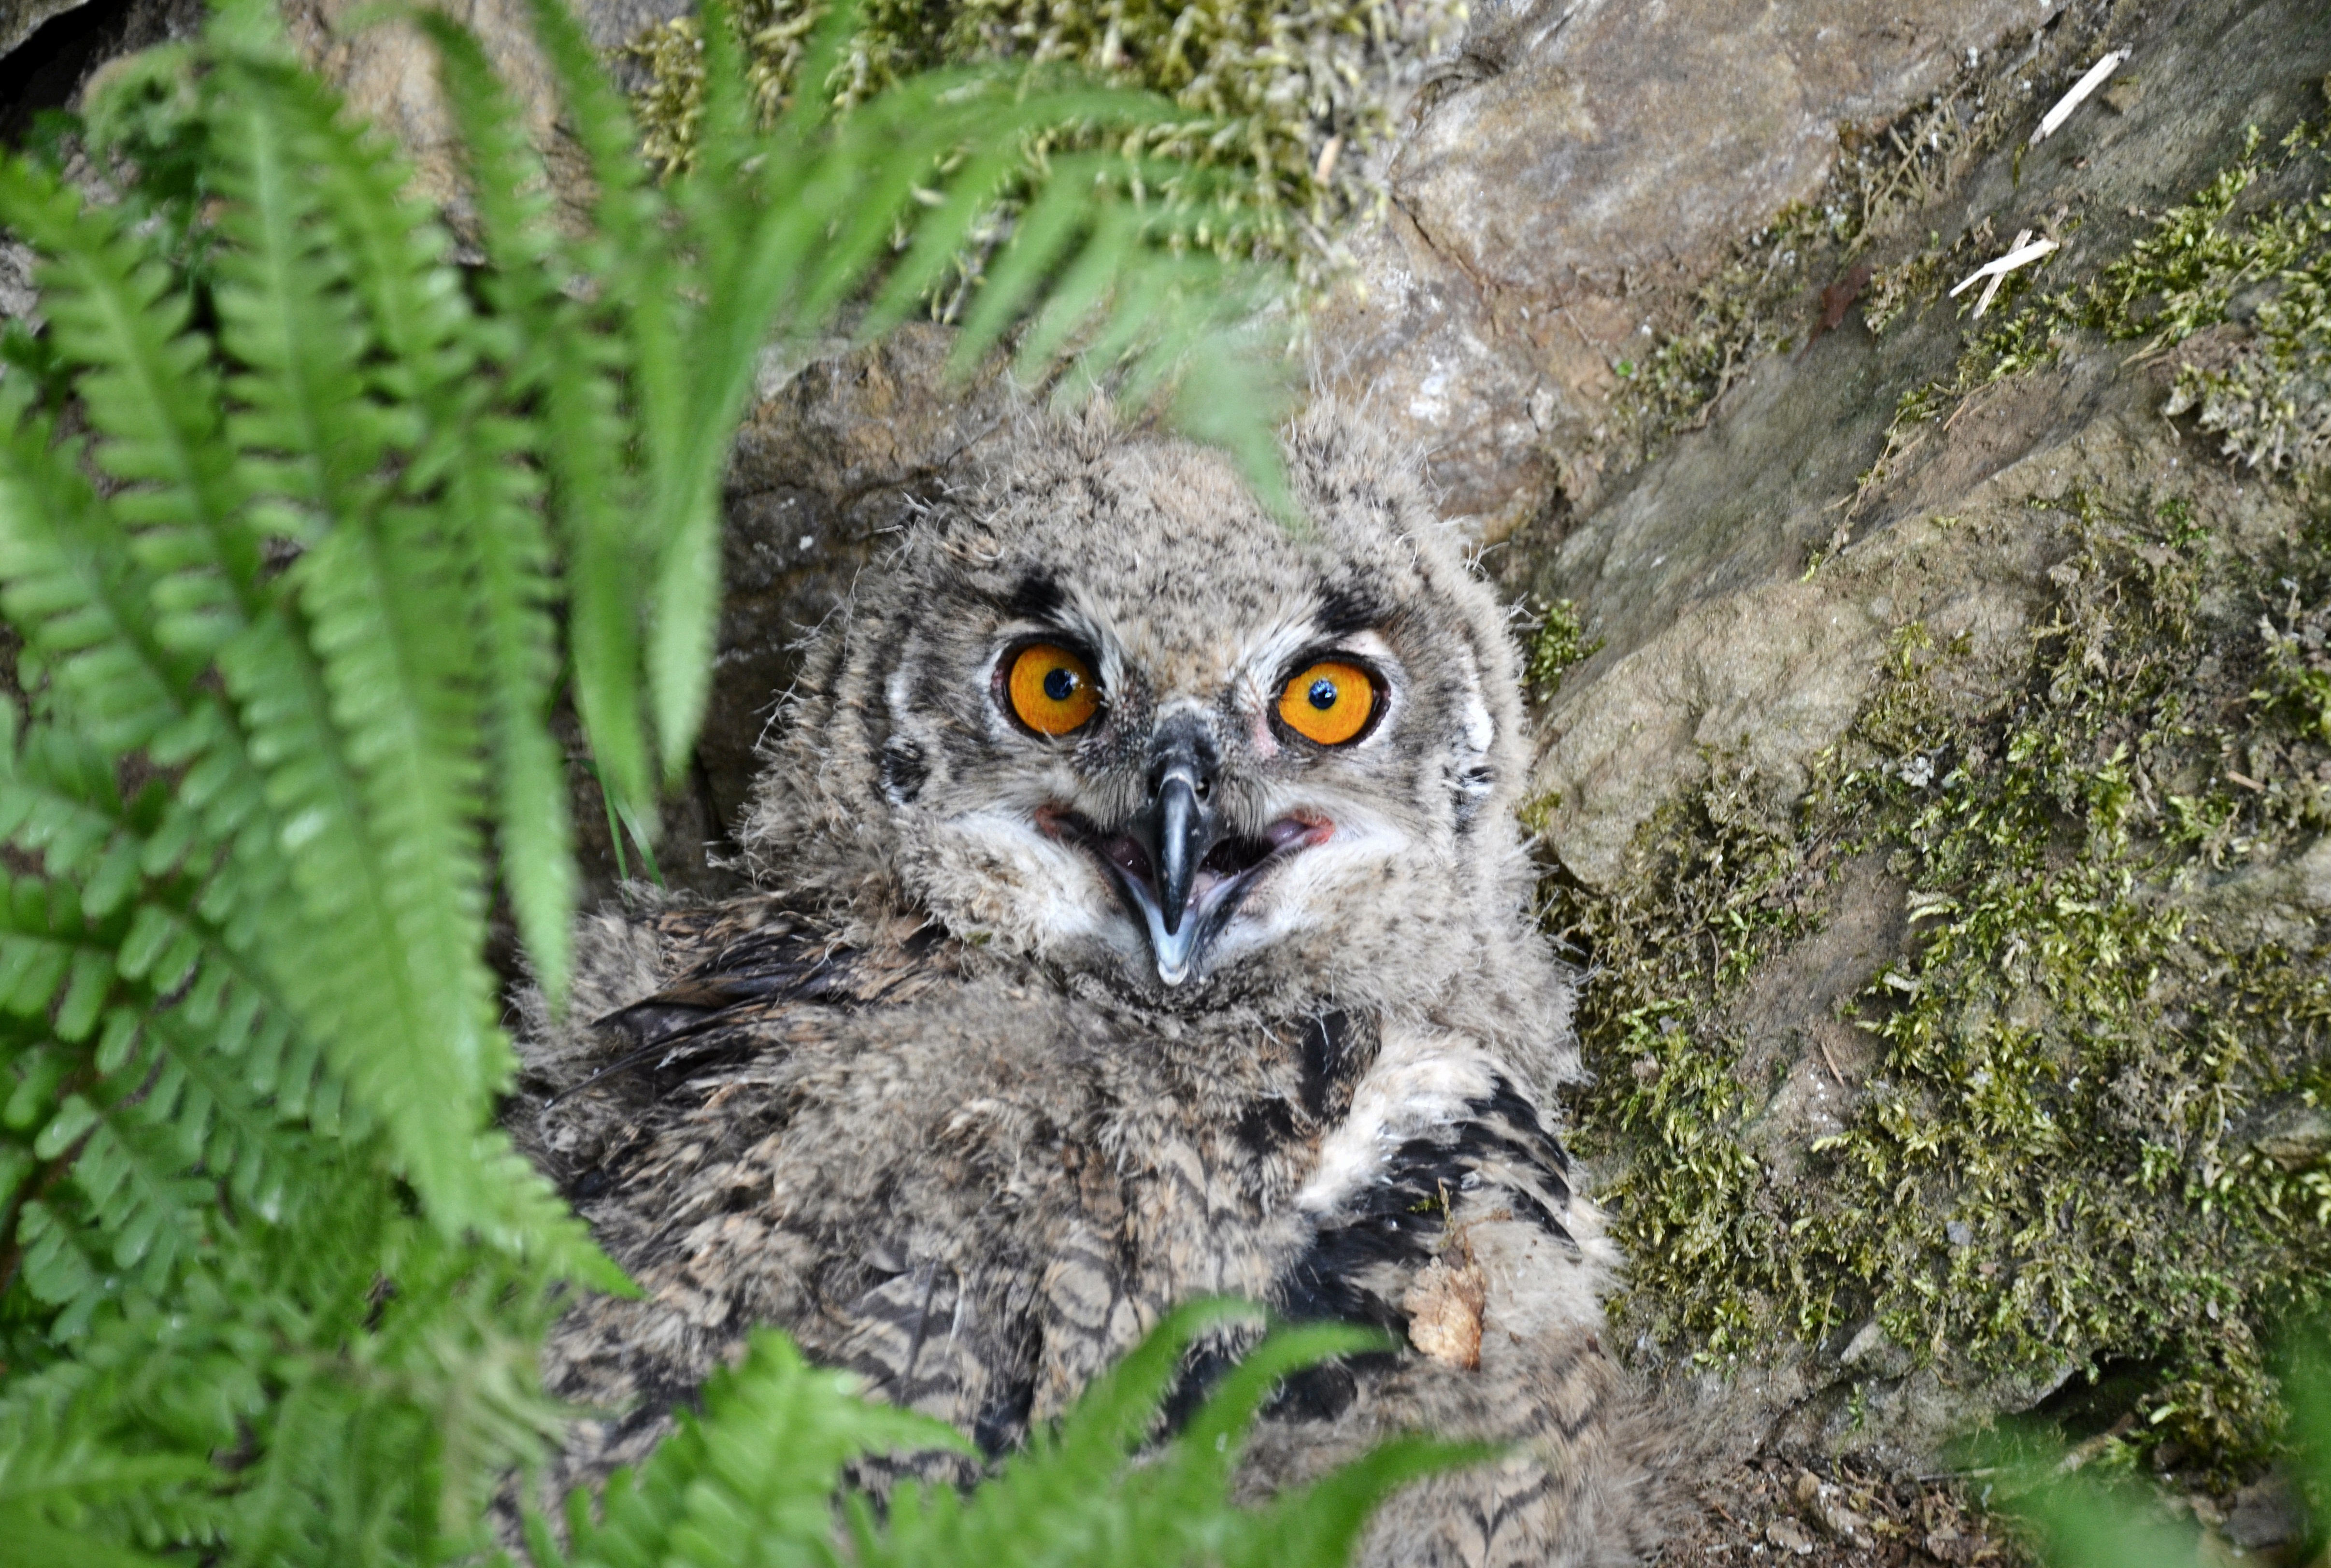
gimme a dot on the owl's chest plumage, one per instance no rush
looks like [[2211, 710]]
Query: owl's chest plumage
[[977, 1190]]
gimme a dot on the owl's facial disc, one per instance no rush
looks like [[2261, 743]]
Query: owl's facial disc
[[1179, 865]]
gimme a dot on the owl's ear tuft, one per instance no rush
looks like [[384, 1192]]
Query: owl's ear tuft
[[903, 770]]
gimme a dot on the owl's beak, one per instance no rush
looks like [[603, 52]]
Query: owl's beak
[[1178, 830], [1181, 867]]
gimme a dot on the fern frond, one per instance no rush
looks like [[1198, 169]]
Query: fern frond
[[468, 458], [227, 1126], [356, 701], [752, 1478], [48, 1489], [565, 356], [308, 442], [1041, 240], [94, 612], [1317, 1526], [1082, 1495], [1117, 1409], [150, 386], [644, 277], [133, 1120], [252, 1200], [1231, 1407], [506, 556], [68, 571], [131, 1174]]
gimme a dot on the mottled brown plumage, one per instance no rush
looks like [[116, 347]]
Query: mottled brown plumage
[[1024, 1039]]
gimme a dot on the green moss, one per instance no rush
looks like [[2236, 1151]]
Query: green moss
[[1710, 890], [1293, 105], [2269, 398], [1559, 642], [2298, 685], [1898, 291], [2064, 1147]]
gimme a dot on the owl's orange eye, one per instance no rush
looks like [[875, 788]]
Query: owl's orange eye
[[1330, 702], [1052, 690]]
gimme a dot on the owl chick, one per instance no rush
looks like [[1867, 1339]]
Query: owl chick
[[1138, 915]]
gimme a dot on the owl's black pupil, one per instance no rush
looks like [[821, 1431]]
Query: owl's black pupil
[[1060, 685], [1323, 694]]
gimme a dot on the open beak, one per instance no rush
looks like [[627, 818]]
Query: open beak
[[1179, 830], [1179, 866]]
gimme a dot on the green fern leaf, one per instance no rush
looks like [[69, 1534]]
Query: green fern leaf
[[1317, 1526], [468, 459], [48, 1489], [151, 387], [751, 1480], [70, 575], [572, 363], [251, 1199]]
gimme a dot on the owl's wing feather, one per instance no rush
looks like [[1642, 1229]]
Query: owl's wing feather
[[1465, 1235], [1487, 1150]]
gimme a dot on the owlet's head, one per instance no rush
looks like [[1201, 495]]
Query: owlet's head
[[1105, 710]]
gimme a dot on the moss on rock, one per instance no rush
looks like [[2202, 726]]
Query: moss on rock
[[2084, 1119], [2233, 284], [1559, 642], [2092, 1123], [1886, 174], [1293, 106]]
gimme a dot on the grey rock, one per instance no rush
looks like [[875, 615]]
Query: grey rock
[[2315, 874], [1872, 1350], [2294, 1137], [1581, 155], [1692, 569], [1823, 1505], [614, 22], [388, 73], [2267, 1514], [49, 67], [1790, 1537], [19, 301], [20, 19]]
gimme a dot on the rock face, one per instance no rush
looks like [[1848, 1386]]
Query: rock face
[[1758, 591], [390, 75], [385, 69], [1584, 163], [50, 48], [19, 19]]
